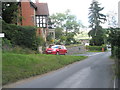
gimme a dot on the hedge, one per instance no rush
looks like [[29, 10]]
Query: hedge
[[116, 52], [24, 36], [96, 48]]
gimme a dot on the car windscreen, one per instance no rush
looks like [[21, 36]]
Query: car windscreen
[[63, 47], [55, 47]]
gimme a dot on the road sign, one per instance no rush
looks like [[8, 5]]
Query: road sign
[[2, 35]]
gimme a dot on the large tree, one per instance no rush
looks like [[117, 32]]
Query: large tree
[[95, 20]]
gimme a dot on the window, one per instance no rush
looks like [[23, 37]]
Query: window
[[41, 21]]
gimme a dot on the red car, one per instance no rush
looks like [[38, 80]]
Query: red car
[[57, 50]]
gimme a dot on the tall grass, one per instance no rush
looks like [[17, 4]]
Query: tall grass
[[20, 66]]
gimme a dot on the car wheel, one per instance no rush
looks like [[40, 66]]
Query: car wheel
[[57, 53]]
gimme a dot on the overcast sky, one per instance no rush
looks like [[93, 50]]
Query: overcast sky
[[80, 7]]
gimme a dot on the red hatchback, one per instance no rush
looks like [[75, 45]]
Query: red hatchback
[[57, 50]]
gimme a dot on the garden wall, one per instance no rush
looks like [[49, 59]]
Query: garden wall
[[76, 50]]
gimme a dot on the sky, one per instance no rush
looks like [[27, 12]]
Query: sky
[[79, 8]]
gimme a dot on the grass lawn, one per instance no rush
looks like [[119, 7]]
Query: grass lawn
[[19, 66]]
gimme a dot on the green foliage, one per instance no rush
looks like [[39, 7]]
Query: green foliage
[[24, 66], [95, 48], [66, 21], [97, 41], [10, 12], [19, 50], [116, 52], [58, 19], [58, 32], [114, 39], [49, 39], [24, 36], [70, 39], [63, 38], [95, 19], [6, 44]]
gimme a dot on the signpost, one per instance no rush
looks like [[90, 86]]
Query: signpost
[[2, 35]]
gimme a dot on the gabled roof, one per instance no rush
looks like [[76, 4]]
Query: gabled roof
[[42, 9]]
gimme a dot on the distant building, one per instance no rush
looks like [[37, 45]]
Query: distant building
[[34, 14]]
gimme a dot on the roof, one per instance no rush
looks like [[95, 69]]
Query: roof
[[33, 5], [42, 9]]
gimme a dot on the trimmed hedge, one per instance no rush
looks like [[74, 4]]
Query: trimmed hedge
[[23, 36], [96, 48]]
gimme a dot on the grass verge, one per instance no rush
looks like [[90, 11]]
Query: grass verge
[[94, 51], [19, 66]]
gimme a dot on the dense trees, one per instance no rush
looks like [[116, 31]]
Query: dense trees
[[95, 19]]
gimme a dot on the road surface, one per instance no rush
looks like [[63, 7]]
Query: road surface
[[93, 72]]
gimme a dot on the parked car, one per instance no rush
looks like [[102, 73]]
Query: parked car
[[56, 49]]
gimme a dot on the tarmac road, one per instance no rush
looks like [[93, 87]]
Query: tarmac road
[[93, 72]]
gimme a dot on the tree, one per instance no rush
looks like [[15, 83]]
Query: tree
[[71, 23], [58, 19], [58, 32], [66, 21], [10, 12], [66, 24], [112, 21], [95, 19]]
